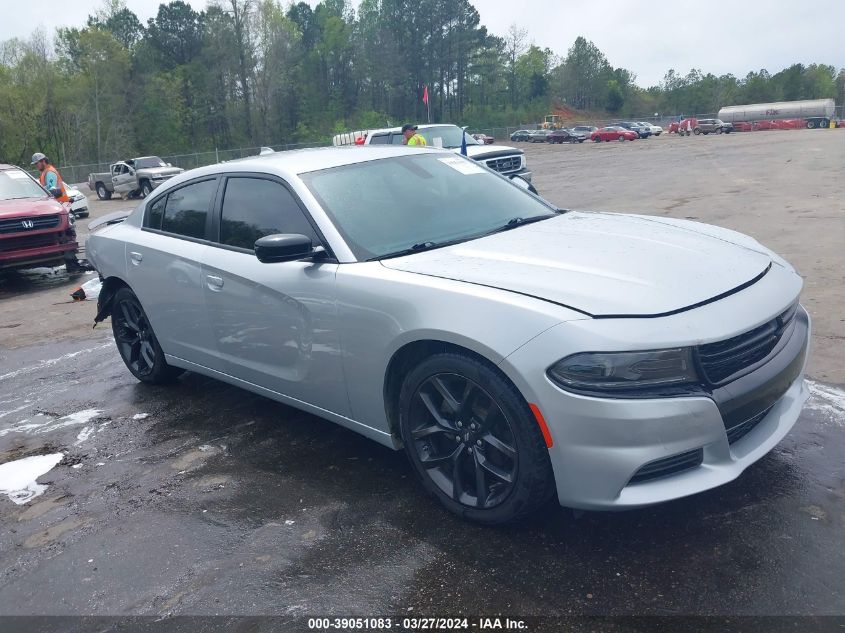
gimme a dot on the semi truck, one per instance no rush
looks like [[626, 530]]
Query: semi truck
[[815, 113]]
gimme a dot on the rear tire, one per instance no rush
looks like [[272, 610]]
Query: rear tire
[[136, 341], [102, 192], [811, 125], [473, 441], [696, 131]]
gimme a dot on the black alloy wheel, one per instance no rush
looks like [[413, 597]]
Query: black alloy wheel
[[473, 441], [137, 342], [464, 440]]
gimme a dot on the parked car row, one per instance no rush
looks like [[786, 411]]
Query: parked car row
[[621, 131]]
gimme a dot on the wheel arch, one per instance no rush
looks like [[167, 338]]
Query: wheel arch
[[406, 357], [104, 302]]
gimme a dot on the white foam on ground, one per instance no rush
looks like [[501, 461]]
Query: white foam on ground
[[53, 361], [41, 423], [140, 416], [827, 400], [18, 478], [84, 434]]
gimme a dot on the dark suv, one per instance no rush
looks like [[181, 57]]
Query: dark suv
[[717, 126]]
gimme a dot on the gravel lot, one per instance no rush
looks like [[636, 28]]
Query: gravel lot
[[204, 499]]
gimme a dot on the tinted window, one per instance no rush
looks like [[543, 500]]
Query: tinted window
[[253, 208], [155, 213], [381, 139], [186, 209]]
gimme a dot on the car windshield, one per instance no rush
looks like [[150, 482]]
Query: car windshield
[[149, 162], [385, 207], [16, 184], [448, 136]]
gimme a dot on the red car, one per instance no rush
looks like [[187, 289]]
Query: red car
[[484, 139], [613, 133], [35, 229]]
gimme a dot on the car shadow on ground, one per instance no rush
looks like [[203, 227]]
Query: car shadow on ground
[[366, 507]]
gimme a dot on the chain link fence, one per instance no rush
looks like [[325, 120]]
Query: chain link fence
[[78, 174]]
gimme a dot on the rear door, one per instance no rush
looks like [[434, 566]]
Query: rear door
[[275, 325], [165, 270]]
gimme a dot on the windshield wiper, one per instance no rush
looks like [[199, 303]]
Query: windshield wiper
[[416, 248], [518, 221]]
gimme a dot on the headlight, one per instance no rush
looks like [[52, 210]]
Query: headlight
[[71, 219], [598, 371]]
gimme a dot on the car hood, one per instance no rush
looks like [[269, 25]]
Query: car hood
[[162, 171], [602, 264], [489, 151], [28, 207]]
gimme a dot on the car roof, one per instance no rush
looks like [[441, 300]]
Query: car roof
[[302, 161], [5, 167]]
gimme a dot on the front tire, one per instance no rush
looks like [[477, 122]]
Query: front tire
[[473, 441], [136, 341], [146, 188]]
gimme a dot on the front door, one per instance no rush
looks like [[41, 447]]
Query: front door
[[123, 178], [275, 324], [164, 267]]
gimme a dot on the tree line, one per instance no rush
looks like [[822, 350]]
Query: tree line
[[257, 72]]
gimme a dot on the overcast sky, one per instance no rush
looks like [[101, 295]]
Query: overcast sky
[[647, 38]]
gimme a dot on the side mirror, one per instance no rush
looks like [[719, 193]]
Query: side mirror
[[55, 192], [169, 165], [520, 182], [289, 247]]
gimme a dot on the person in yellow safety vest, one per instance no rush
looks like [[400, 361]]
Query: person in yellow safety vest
[[412, 137], [50, 178]]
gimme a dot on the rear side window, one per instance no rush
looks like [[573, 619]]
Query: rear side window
[[254, 207], [380, 139], [186, 209]]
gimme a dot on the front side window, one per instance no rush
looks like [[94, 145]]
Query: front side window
[[254, 208], [186, 209]]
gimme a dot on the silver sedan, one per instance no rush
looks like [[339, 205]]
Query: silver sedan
[[516, 351]]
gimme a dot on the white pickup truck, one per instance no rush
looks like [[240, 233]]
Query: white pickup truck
[[508, 161], [133, 177]]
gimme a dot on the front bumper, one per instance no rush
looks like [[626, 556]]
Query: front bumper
[[600, 444], [522, 173], [80, 207]]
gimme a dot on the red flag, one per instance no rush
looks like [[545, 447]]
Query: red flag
[[425, 95]]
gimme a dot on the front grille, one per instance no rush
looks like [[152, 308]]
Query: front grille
[[28, 241], [668, 466], [736, 433], [723, 359], [16, 225], [505, 164]]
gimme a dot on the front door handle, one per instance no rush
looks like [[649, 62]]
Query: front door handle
[[214, 283], [137, 258]]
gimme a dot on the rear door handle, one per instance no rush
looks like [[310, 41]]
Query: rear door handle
[[137, 258], [214, 283]]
